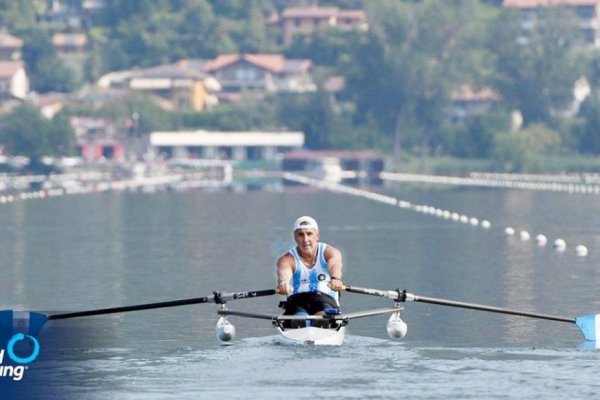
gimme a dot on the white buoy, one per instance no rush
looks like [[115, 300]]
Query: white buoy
[[560, 245], [524, 235], [486, 224], [455, 216], [224, 330], [509, 231], [581, 250], [541, 240], [464, 219], [447, 214], [474, 221], [396, 328]]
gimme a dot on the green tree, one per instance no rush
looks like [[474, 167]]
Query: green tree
[[521, 151], [476, 137], [137, 114], [47, 71], [589, 136], [26, 132], [330, 47], [425, 49], [536, 71], [20, 16]]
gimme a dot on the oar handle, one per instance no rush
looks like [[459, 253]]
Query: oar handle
[[396, 295]]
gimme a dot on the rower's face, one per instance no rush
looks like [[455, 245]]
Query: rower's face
[[306, 239]]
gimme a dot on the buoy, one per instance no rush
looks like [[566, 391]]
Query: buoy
[[524, 235], [541, 240], [560, 245], [447, 214], [581, 250], [509, 230], [455, 217], [224, 330], [474, 221], [486, 224], [464, 219], [396, 328]]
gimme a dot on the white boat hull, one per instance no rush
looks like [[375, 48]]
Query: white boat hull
[[315, 336]]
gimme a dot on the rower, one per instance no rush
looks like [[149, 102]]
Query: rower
[[310, 273]]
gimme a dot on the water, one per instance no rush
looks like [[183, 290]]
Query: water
[[93, 251]]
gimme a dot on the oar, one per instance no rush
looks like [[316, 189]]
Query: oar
[[32, 322], [587, 324]]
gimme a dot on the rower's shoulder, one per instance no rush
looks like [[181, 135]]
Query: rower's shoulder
[[331, 251], [286, 258]]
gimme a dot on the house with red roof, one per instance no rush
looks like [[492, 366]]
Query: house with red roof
[[243, 73], [172, 86], [10, 47], [308, 19]]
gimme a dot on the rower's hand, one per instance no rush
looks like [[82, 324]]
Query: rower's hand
[[284, 288], [336, 284]]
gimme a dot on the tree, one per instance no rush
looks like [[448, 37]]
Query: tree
[[476, 138], [589, 136], [19, 16], [425, 49], [138, 114], [26, 132], [535, 73], [330, 47], [48, 72], [520, 151]]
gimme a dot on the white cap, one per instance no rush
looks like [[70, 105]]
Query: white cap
[[306, 222]]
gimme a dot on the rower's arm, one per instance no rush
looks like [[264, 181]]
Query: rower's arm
[[285, 271], [333, 257]]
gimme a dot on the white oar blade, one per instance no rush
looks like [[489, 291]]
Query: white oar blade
[[589, 325]]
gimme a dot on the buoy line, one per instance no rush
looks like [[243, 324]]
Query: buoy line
[[527, 182], [178, 181], [559, 245]]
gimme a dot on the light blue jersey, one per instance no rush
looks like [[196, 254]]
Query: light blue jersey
[[315, 279]]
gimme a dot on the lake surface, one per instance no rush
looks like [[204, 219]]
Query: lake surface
[[82, 252]]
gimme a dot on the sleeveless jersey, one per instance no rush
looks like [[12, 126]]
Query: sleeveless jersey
[[313, 279]]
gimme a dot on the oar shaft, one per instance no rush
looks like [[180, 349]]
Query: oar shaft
[[481, 307], [217, 297], [404, 296]]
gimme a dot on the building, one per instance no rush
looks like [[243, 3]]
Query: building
[[307, 20], [235, 146], [588, 12], [468, 101], [49, 104], [69, 43], [97, 139], [13, 79], [239, 73], [178, 86], [10, 47]]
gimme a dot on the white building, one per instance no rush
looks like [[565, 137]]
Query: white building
[[236, 146], [13, 79]]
